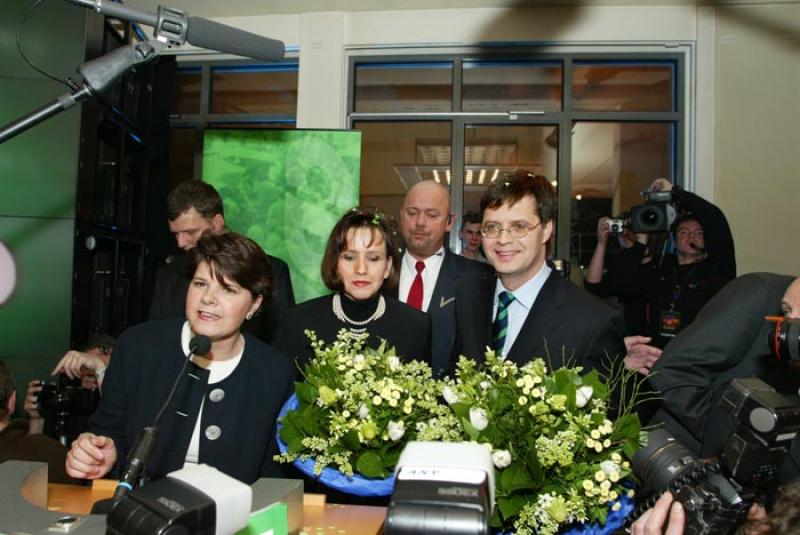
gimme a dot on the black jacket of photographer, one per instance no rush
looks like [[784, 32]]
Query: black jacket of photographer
[[729, 340], [667, 285], [237, 428]]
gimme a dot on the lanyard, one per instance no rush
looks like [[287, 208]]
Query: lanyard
[[677, 289]]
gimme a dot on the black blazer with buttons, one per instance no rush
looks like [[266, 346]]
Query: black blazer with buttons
[[238, 426]]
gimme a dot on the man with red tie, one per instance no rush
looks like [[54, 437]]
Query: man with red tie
[[429, 273]]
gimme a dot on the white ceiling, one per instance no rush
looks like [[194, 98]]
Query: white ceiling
[[240, 8]]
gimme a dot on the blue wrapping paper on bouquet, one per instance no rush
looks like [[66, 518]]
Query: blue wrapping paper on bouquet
[[330, 477]]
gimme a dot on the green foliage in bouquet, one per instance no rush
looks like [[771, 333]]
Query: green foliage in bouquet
[[358, 407], [559, 457]]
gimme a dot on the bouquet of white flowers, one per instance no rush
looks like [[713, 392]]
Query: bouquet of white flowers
[[357, 408], [560, 459]]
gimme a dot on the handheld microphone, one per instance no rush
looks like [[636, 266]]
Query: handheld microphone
[[145, 442], [176, 27]]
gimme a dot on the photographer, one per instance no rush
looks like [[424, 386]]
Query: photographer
[[88, 366], [728, 340], [17, 444], [665, 295]]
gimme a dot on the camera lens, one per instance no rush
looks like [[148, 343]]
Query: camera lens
[[784, 340], [662, 461]]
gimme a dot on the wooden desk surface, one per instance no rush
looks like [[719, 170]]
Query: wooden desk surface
[[318, 518]]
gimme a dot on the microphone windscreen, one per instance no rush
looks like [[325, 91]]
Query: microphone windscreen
[[199, 345], [205, 33]]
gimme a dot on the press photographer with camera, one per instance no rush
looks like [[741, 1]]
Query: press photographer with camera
[[731, 338], [61, 412], [15, 441], [669, 291]]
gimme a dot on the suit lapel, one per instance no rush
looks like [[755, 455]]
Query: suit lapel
[[543, 318], [482, 314], [444, 291]]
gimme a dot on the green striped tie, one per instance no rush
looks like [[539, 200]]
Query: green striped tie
[[500, 325]]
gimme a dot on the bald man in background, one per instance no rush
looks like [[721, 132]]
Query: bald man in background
[[429, 272]]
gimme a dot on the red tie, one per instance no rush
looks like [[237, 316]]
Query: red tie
[[415, 293]]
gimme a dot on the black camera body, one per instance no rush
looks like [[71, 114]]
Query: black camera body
[[716, 496], [656, 214], [63, 401]]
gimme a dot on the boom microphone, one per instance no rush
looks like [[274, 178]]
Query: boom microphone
[[176, 27], [697, 247]]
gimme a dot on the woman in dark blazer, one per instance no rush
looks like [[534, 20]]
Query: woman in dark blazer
[[226, 403], [361, 264]]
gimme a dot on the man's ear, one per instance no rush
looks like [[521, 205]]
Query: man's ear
[[12, 404], [217, 223], [547, 231], [451, 217]]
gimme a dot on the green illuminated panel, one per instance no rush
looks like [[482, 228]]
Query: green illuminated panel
[[286, 189]]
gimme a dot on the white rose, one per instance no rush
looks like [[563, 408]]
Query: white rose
[[609, 467], [478, 418], [485, 385], [583, 395], [449, 396], [394, 363], [501, 458], [363, 412], [396, 430]]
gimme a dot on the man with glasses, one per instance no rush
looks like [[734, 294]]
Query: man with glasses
[[527, 310], [429, 273]]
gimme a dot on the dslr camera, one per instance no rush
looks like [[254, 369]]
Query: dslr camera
[[784, 340], [717, 495], [656, 214], [63, 401]]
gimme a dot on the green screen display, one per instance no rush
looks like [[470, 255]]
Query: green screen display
[[286, 189]]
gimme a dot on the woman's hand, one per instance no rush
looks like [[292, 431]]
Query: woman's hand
[[74, 362], [652, 521], [91, 456], [36, 422]]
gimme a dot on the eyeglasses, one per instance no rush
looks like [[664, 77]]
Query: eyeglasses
[[517, 229], [684, 232]]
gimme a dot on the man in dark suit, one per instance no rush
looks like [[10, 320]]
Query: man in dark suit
[[193, 208], [528, 310], [429, 273], [728, 340]]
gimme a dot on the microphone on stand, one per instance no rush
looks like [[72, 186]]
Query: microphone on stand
[[140, 453]]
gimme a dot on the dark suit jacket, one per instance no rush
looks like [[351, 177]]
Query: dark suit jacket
[[172, 283], [442, 309], [728, 340], [566, 323], [146, 362]]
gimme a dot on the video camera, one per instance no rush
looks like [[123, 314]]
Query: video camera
[[62, 399], [717, 495], [656, 214]]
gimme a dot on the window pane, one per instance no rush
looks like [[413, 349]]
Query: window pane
[[611, 164], [397, 155], [623, 86], [181, 155], [399, 87], [186, 100], [254, 89], [511, 86], [492, 151]]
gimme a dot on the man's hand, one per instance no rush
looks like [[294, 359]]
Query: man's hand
[[91, 456], [36, 424], [661, 184], [640, 356], [603, 230], [76, 363], [652, 521]]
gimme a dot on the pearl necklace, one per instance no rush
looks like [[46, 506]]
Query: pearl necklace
[[338, 311]]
